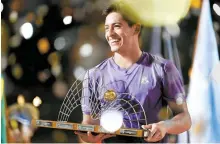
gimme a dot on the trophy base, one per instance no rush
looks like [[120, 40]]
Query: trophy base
[[93, 128]]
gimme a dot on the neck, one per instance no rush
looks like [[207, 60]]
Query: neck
[[128, 57]]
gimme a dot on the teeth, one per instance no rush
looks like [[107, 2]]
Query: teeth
[[114, 40]]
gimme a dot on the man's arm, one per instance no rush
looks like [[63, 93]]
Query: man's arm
[[172, 85], [181, 121]]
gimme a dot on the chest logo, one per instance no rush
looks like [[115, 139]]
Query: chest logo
[[110, 95], [144, 80]]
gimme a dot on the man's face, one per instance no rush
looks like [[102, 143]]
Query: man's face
[[117, 32]]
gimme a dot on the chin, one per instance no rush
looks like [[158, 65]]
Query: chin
[[115, 49]]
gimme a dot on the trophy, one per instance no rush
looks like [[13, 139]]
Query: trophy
[[105, 103]]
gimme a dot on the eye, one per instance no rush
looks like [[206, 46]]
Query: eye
[[117, 26], [106, 28]]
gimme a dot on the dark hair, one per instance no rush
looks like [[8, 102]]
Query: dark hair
[[120, 8]]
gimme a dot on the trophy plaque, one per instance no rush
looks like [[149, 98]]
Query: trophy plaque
[[92, 128]]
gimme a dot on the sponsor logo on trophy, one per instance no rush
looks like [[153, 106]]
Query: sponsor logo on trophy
[[85, 127], [64, 125], [43, 123], [128, 132]]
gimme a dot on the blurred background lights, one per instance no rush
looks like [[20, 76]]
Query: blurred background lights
[[173, 30], [30, 17], [3, 62], [157, 12], [13, 16], [79, 14], [53, 59], [20, 100], [43, 45], [215, 74], [86, 50], [15, 41], [216, 9], [196, 4], [60, 89], [26, 30], [216, 26], [59, 136], [12, 59], [37, 101], [67, 20], [1, 7], [111, 120], [66, 11], [60, 43], [42, 10], [101, 31], [56, 70], [79, 73], [17, 71], [44, 75], [39, 21]]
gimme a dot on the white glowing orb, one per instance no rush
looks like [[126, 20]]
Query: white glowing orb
[[86, 50], [1, 7], [13, 16], [216, 9], [37, 101], [67, 20], [173, 30], [111, 120], [60, 43], [79, 72], [26, 30], [215, 74]]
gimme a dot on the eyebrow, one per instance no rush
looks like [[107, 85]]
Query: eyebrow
[[113, 24]]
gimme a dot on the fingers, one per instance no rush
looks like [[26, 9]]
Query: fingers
[[153, 130], [99, 136], [149, 126], [155, 133], [80, 133], [107, 136], [90, 136], [156, 137]]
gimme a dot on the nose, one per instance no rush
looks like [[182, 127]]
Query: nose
[[110, 32]]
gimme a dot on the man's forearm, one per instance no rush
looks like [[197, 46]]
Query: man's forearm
[[178, 124]]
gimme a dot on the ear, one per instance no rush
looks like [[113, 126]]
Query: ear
[[137, 28]]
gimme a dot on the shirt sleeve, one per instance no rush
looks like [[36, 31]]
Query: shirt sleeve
[[173, 87]]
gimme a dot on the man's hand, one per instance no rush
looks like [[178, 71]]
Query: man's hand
[[157, 131], [89, 138]]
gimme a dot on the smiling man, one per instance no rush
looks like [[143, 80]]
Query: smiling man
[[154, 81]]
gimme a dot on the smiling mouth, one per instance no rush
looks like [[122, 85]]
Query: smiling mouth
[[113, 42]]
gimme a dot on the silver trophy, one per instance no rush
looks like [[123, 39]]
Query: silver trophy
[[93, 94]]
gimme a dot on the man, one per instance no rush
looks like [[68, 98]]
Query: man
[[153, 80]]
